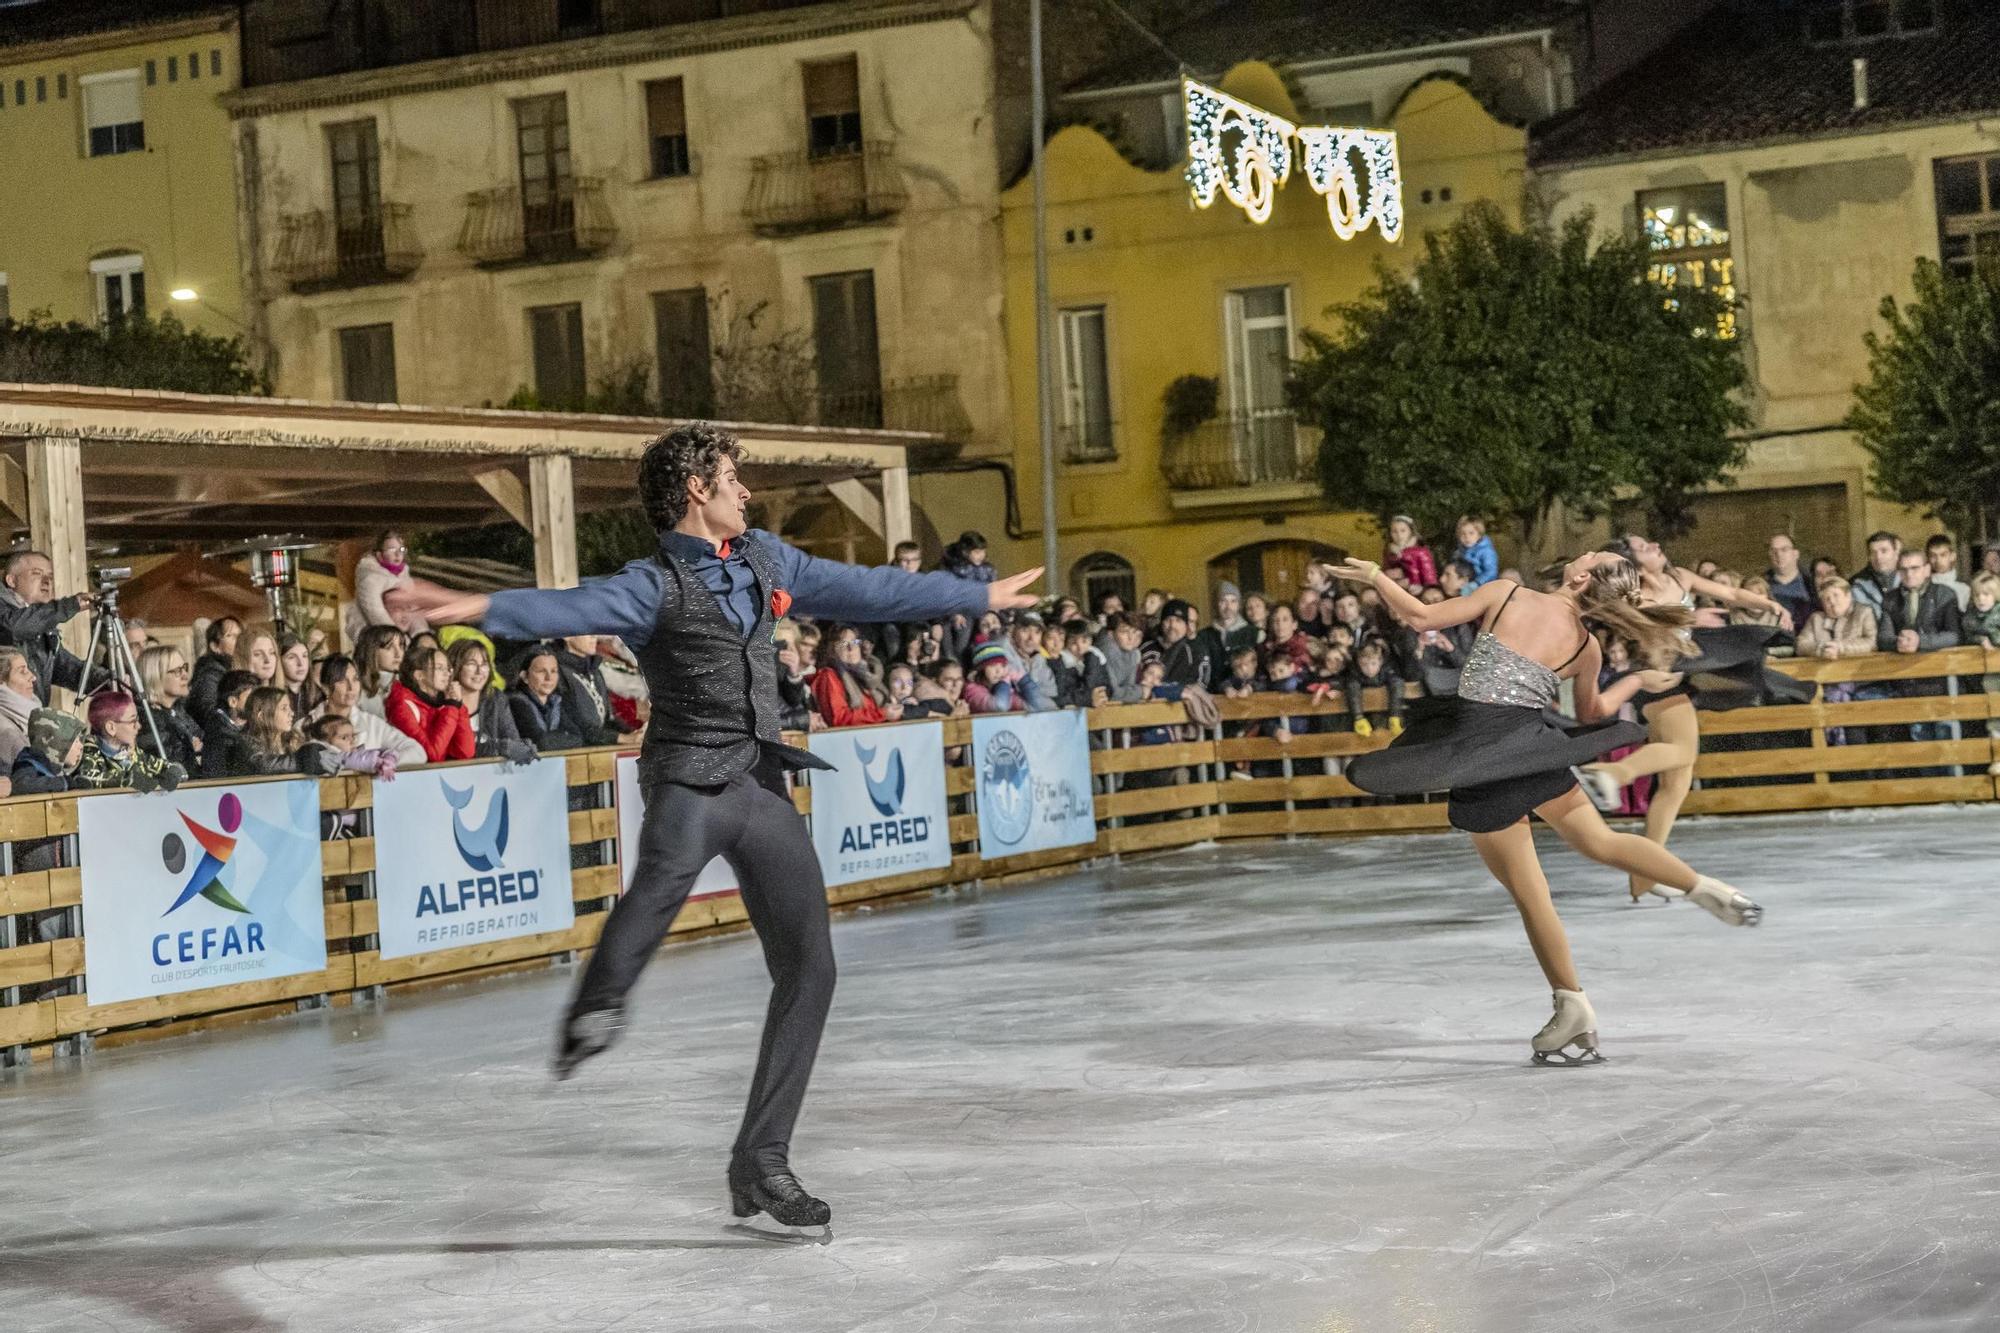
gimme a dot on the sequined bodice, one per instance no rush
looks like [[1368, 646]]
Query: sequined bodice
[[1496, 674]]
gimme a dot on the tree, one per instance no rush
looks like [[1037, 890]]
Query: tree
[[131, 352], [1929, 412], [1516, 369]]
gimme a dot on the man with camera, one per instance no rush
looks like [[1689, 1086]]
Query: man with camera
[[31, 616]]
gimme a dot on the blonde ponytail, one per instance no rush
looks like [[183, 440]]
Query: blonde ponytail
[[1657, 635]]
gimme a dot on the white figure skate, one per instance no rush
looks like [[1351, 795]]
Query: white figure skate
[[1574, 1024], [1726, 904], [1600, 787]]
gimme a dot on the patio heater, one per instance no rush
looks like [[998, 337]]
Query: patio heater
[[274, 567]]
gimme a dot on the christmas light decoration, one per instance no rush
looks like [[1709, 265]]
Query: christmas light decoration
[[1262, 161], [1356, 170]]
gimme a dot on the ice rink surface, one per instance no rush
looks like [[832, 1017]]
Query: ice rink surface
[[1267, 1086]]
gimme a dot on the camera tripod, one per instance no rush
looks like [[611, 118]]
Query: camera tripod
[[107, 630]]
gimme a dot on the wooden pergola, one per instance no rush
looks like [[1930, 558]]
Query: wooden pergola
[[153, 468]]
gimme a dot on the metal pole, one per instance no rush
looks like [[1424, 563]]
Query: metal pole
[[1044, 339]]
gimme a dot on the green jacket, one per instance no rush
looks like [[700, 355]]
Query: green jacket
[[135, 769]]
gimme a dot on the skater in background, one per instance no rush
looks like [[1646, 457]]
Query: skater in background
[[1502, 754], [1731, 658], [699, 615]]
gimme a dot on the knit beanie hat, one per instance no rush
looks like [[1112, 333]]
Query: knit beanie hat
[[1227, 589], [52, 731], [987, 652]]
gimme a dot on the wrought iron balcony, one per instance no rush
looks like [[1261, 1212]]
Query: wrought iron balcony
[[1253, 449], [926, 403], [793, 192], [318, 250], [561, 220]]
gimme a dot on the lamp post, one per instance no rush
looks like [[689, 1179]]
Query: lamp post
[[1044, 339]]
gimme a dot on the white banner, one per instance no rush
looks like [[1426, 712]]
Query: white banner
[[716, 877], [205, 887], [883, 812], [1033, 774], [465, 855]]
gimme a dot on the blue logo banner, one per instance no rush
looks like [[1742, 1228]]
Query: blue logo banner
[[1033, 782]]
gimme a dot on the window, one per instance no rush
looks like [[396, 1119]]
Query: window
[[1688, 231], [367, 369], [556, 333], [1102, 572], [576, 18], [845, 353], [356, 162], [1968, 204], [548, 195], [1086, 387], [111, 113], [173, 69], [215, 63], [680, 326], [1834, 21], [666, 128], [41, 87], [120, 281], [1258, 322], [194, 64], [833, 107]]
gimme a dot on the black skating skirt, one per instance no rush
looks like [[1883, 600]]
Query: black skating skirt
[[1729, 671], [1498, 761]]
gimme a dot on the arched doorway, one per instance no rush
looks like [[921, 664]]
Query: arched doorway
[[1101, 572], [1275, 569]]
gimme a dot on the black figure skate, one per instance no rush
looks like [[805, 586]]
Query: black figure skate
[[586, 1035], [778, 1194]]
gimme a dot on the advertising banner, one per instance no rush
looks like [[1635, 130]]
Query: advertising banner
[[466, 855], [716, 877], [1033, 775], [883, 811], [198, 888]]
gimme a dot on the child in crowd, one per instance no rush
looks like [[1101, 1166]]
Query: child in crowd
[[224, 748], [272, 743], [330, 747], [1083, 679], [966, 558], [1458, 578], [53, 751], [901, 682], [1476, 549], [987, 689], [1243, 680], [1371, 670], [1980, 625]]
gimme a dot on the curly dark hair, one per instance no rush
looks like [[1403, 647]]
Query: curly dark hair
[[693, 450]]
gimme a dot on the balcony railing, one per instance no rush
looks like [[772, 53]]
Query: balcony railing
[[1252, 449], [565, 219], [926, 403], [792, 192], [316, 250]]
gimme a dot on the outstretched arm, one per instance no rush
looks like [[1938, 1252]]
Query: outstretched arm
[[1404, 605], [625, 604], [837, 591], [1741, 598]]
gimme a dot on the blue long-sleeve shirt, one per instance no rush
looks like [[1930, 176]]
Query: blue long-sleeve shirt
[[627, 603]]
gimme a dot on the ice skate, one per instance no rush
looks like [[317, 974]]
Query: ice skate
[[778, 1194], [1640, 895], [586, 1035], [1601, 788], [1724, 903], [1574, 1024]]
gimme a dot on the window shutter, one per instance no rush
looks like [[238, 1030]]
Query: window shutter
[[666, 109], [833, 87], [113, 100]]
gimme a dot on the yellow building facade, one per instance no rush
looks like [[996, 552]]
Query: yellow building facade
[[121, 181], [1156, 290]]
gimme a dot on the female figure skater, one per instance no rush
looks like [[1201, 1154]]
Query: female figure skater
[[1730, 662], [1501, 753]]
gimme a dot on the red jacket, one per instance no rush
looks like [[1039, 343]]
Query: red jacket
[[442, 729], [1416, 562], [830, 698]]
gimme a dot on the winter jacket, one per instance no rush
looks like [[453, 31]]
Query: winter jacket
[[205, 686], [1295, 647], [829, 692], [1484, 559], [371, 583], [1869, 588], [586, 698], [228, 752], [178, 734], [1077, 677], [795, 701], [1435, 666], [439, 725], [134, 768], [1976, 624], [34, 774], [1416, 562], [14, 710], [35, 631], [1936, 621], [1121, 667], [1034, 666], [931, 698], [543, 725], [1184, 663], [1009, 696], [494, 732], [378, 702], [373, 732], [1794, 594], [958, 566], [1216, 642], [1854, 632], [1354, 682]]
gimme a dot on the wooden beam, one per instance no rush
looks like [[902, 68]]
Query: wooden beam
[[507, 491], [14, 490], [55, 523], [552, 514], [896, 525], [857, 497]]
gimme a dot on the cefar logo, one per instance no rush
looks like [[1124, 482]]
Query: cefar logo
[[216, 849], [886, 792], [482, 847], [1006, 787]]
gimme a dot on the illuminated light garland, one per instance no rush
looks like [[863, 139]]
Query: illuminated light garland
[[1263, 158], [1263, 161]]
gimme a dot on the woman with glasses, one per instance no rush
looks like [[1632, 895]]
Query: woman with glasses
[[112, 757], [165, 673], [846, 692], [379, 574]]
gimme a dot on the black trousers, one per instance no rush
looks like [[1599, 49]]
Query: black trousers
[[752, 824]]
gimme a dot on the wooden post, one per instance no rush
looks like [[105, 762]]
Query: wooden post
[[896, 526], [55, 523], [552, 501]]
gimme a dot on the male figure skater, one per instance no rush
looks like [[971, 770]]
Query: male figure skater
[[699, 617]]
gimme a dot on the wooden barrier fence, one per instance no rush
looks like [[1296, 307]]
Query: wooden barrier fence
[[1922, 729]]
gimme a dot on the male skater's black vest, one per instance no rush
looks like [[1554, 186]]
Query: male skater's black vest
[[714, 692]]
